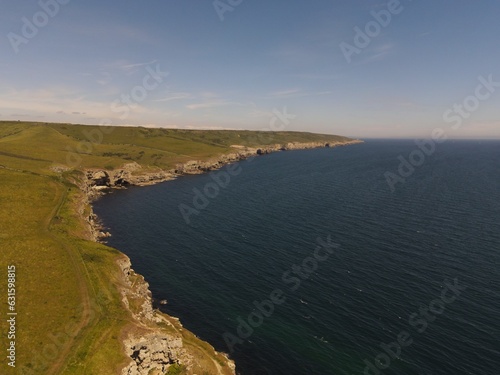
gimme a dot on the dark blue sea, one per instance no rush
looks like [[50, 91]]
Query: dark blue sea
[[308, 263]]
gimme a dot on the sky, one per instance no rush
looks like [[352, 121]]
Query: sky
[[361, 68]]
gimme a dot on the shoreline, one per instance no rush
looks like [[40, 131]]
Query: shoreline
[[100, 181], [97, 183]]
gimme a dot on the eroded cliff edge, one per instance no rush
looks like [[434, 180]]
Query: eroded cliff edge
[[157, 342], [99, 180]]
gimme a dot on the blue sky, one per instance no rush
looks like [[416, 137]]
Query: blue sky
[[263, 57]]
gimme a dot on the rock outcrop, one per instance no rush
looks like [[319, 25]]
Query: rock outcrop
[[155, 354], [136, 291], [151, 350], [128, 174], [133, 173], [197, 167]]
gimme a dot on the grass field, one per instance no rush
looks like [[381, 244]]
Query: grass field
[[71, 319]]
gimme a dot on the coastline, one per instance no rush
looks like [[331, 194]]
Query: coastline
[[150, 348], [99, 181]]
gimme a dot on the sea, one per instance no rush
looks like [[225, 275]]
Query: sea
[[376, 258]]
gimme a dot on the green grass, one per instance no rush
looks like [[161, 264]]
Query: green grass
[[48, 293], [71, 318], [176, 369], [37, 146]]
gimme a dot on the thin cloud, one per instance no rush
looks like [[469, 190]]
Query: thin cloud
[[106, 78], [322, 77], [295, 93], [175, 96], [283, 93], [378, 53], [212, 100], [50, 101], [209, 104], [424, 34], [128, 67], [257, 113]]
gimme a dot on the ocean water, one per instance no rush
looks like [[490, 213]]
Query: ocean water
[[411, 286]]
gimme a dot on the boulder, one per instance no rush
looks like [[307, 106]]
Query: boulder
[[154, 353]]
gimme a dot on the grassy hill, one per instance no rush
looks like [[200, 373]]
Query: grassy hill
[[71, 319], [113, 146]]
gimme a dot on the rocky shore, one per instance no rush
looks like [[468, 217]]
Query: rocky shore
[[151, 350], [99, 180]]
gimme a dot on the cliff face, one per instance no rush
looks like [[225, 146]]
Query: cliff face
[[154, 354], [150, 350], [242, 153], [133, 174], [158, 341]]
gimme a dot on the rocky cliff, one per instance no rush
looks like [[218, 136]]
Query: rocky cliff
[[134, 174], [158, 341], [149, 350]]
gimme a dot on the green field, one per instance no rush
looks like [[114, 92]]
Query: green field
[[71, 319]]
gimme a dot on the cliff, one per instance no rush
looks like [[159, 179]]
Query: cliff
[[159, 341], [99, 180]]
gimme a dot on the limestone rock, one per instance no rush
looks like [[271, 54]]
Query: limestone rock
[[137, 290], [154, 353]]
